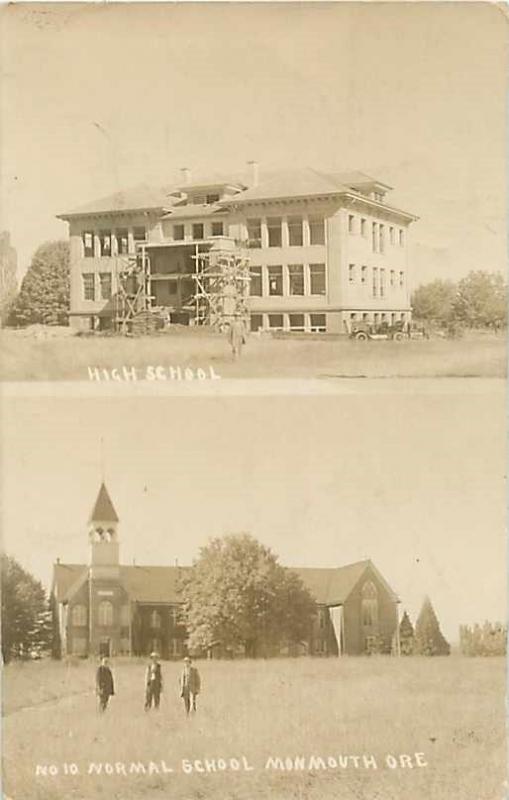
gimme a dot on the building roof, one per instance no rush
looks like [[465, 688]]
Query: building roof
[[194, 210], [137, 198], [303, 182], [103, 510], [146, 584]]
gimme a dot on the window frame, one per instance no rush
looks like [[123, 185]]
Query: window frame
[[323, 269]]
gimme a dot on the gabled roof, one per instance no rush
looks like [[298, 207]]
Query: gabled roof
[[328, 585], [137, 198], [103, 510]]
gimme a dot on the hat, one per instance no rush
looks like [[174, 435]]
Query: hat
[[187, 659], [154, 655]]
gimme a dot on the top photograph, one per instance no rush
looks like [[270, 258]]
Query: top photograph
[[202, 191]]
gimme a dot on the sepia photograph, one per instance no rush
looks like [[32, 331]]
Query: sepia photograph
[[253, 359], [244, 190], [255, 597]]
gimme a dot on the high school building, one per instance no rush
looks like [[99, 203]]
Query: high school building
[[324, 249], [104, 607]]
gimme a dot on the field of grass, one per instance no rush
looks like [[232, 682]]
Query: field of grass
[[48, 356], [449, 710]]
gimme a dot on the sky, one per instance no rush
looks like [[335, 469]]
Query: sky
[[414, 481], [101, 97]]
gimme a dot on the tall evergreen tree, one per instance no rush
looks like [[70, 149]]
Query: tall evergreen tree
[[44, 296], [406, 635], [429, 640]]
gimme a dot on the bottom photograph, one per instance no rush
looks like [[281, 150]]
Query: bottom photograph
[[255, 597]]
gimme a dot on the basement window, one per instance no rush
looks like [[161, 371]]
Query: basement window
[[318, 323]]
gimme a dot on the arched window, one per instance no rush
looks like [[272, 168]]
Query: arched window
[[155, 619], [79, 615], [369, 604], [105, 613]]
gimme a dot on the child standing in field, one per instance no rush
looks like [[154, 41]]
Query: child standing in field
[[104, 683]]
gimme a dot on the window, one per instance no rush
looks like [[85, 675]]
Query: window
[[401, 237], [364, 227], [297, 322], [275, 280], [105, 284], [351, 223], [317, 278], [381, 238], [295, 238], [296, 279], [256, 322], [254, 232], [369, 604], [105, 243], [401, 279], [88, 286], [392, 236], [378, 196], [217, 229], [176, 647], [382, 283], [140, 233], [212, 198], [374, 237], [353, 316], [122, 241], [364, 274], [125, 616], [318, 323], [365, 316], [198, 230], [376, 317], [88, 244], [255, 285], [276, 322], [105, 613], [155, 619], [274, 231], [178, 233], [175, 615], [375, 281], [316, 230], [392, 278], [351, 273], [79, 615]]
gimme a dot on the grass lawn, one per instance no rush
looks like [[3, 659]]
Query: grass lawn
[[50, 356], [451, 710]]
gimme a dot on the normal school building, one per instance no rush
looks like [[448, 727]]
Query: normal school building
[[324, 249], [104, 607]]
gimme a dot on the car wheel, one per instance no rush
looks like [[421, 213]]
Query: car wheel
[[361, 336]]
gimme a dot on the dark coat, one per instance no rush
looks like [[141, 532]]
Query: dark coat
[[155, 679], [190, 681], [104, 681]]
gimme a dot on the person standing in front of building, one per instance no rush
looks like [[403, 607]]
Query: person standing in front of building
[[236, 335], [190, 685], [153, 682], [104, 683]]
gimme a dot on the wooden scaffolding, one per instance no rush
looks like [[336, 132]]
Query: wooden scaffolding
[[132, 300], [222, 284]]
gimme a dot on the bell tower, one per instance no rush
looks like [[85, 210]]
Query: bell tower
[[103, 537]]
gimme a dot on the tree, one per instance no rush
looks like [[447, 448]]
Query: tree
[[406, 635], [8, 278], [434, 301], [44, 295], [237, 594], [24, 607], [429, 640], [481, 299]]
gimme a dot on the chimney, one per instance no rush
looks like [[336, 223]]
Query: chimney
[[254, 172], [186, 174]]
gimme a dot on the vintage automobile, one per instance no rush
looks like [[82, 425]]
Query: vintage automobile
[[362, 331]]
